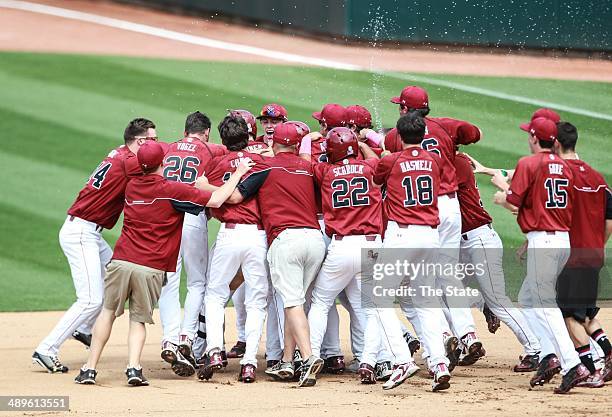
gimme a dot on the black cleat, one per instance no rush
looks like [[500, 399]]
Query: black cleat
[[51, 363], [86, 376], [84, 338]]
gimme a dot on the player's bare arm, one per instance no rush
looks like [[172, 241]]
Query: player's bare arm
[[367, 152], [479, 168]]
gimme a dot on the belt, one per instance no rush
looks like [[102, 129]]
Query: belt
[[369, 238], [451, 195], [233, 225], [98, 227], [319, 216], [465, 236], [406, 226]]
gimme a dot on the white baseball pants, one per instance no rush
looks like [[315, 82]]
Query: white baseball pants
[[194, 254], [244, 246], [341, 270], [484, 247], [547, 254], [240, 307], [87, 253]]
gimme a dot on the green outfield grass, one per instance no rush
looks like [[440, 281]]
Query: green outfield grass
[[61, 114]]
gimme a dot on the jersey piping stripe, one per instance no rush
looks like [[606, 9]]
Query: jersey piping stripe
[[141, 202]]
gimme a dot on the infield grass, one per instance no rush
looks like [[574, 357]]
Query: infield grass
[[61, 114]]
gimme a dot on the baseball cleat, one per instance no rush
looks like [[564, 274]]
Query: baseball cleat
[[465, 359], [493, 322], [528, 363], [400, 374], [86, 376], [135, 377], [310, 369], [576, 375], [595, 380], [353, 366], [383, 370], [224, 361], [473, 350], [413, 342], [205, 372], [183, 366], [451, 345], [607, 369], [281, 370], [168, 352], [549, 366], [247, 373], [271, 362], [184, 346], [51, 363], [84, 338], [367, 374], [237, 351], [441, 378], [334, 365]]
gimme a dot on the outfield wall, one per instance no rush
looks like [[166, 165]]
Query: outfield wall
[[549, 24]]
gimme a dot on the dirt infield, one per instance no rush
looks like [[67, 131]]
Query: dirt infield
[[27, 31], [488, 388]]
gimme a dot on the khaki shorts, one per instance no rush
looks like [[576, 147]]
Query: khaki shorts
[[295, 258], [139, 284]]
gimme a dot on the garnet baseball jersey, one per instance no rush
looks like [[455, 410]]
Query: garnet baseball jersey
[[318, 148], [188, 159], [442, 135], [153, 220], [224, 166], [542, 189], [587, 233], [255, 146], [352, 205], [473, 213], [412, 181], [285, 193], [262, 139], [101, 200]]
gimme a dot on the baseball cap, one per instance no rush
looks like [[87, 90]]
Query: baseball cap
[[358, 115], [273, 110], [334, 115], [412, 97], [543, 129], [543, 112], [150, 155], [286, 134]]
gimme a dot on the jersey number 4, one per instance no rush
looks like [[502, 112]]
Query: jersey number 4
[[419, 191], [100, 174], [557, 193], [181, 169], [347, 193]]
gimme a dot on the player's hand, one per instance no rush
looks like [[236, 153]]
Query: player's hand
[[521, 253], [363, 133], [499, 198], [500, 181], [478, 167], [201, 182], [245, 166]]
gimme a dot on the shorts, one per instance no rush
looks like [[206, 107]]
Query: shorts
[[138, 284], [295, 257], [577, 290]]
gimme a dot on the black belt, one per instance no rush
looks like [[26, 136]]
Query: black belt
[[233, 225], [464, 236], [369, 238], [406, 226]]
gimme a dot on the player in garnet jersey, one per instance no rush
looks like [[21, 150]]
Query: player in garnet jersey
[[412, 181], [442, 135], [542, 191], [271, 115], [97, 207], [578, 283], [481, 245], [147, 248], [331, 116], [241, 243], [285, 193], [184, 162], [359, 120]]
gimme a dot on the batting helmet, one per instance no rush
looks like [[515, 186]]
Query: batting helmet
[[301, 127], [341, 143], [273, 111], [248, 118], [332, 114], [359, 116]]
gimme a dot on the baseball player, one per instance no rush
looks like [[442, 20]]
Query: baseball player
[[542, 193], [241, 243], [331, 116], [442, 135], [97, 207], [185, 161], [412, 181], [578, 283], [285, 193], [271, 115], [147, 248], [481, 245]]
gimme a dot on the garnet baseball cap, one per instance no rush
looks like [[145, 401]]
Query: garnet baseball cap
[[150, 155], [358, 115], [543, 112], [412, 97], [286, 134], [543, 129], [334, 115], [273, 110]]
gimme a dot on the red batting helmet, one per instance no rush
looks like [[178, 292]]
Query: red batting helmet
[[301, 127], [334, 115], [274, 111], [358, 115], [248, 118], [341, 143]]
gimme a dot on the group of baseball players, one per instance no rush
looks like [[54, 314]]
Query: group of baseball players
[[304, 216]]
